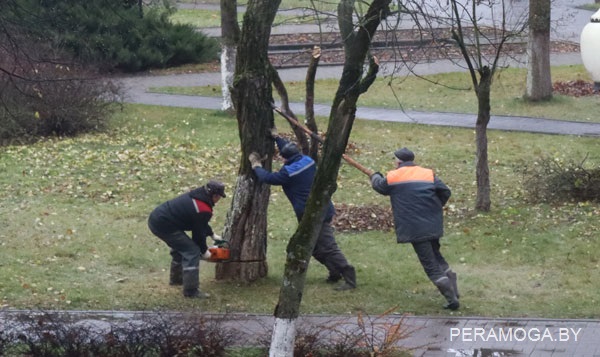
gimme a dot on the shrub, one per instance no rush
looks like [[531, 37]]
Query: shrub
[[62, 334], [157, 334], [112, 34], [553, 180], [45, 93]]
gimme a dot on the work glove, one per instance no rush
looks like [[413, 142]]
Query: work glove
[[274, 132], [254, 160], [375, 176], [206, 255], [217, 239]]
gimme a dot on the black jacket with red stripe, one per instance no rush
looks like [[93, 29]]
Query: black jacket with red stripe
[[190, 211], [417, 198]]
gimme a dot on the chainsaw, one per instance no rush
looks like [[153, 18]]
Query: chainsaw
[[219, 253]]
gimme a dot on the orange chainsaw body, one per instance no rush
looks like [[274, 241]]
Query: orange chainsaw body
[[219, 254]]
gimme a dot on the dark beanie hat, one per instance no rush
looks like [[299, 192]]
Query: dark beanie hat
[[290, 149], [404, 154], [214, 187]]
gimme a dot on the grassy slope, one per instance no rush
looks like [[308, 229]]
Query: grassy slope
[[75, 236]]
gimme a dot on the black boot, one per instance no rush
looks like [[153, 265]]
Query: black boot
[[191, 282], [175, 274], [444, 285], [333, 278], [454, 280], [349, 275]]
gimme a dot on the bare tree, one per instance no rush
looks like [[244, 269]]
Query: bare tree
[[482, 54], [356, 35], [480, 31], [43, 89], [539, 80]]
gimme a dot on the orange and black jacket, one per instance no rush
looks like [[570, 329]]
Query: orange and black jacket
[[190, 211], [417, 198]]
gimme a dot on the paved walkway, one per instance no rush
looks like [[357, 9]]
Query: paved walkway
[[424, 336], [137, 92]]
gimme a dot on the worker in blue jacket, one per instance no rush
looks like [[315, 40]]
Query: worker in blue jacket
[[296, 177]]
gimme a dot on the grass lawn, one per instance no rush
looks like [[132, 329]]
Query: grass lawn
[[449, 92], [202, 18], [74, 217]]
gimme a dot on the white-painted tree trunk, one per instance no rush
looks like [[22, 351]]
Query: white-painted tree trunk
[[227, 72], [282, 340]]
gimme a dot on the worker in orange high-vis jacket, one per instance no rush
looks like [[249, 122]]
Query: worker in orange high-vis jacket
[[418, 198]]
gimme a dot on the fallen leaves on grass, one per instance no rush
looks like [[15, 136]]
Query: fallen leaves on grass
[[577, 88], [352, 218]]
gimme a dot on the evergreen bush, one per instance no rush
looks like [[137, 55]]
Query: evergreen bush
[[113, 34]]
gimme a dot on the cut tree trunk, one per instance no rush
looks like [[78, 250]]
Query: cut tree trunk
[[245, 229], [246, 224]]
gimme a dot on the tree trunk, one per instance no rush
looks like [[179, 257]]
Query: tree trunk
[[357, 41], [230, 34], [246, 222], [246, 231], [483, 201], [539, 80], [309, 107], [227, 72]]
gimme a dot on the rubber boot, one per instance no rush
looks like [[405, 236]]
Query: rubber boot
[[454, 280], [349, 275], [191, 282], [176, 274], [444, 285]]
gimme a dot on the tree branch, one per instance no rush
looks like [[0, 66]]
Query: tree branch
[[285, 105], [371, 75], [309, 116]]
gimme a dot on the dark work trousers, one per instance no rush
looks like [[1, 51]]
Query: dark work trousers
[[183, 249], [327, 251], [431, 259]]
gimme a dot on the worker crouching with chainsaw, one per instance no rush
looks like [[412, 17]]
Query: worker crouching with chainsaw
[[296, 177], [169, 221], [417, 198]]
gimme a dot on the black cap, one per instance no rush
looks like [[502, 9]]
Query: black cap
[[290, 149], [404, 154], [214, 187]]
